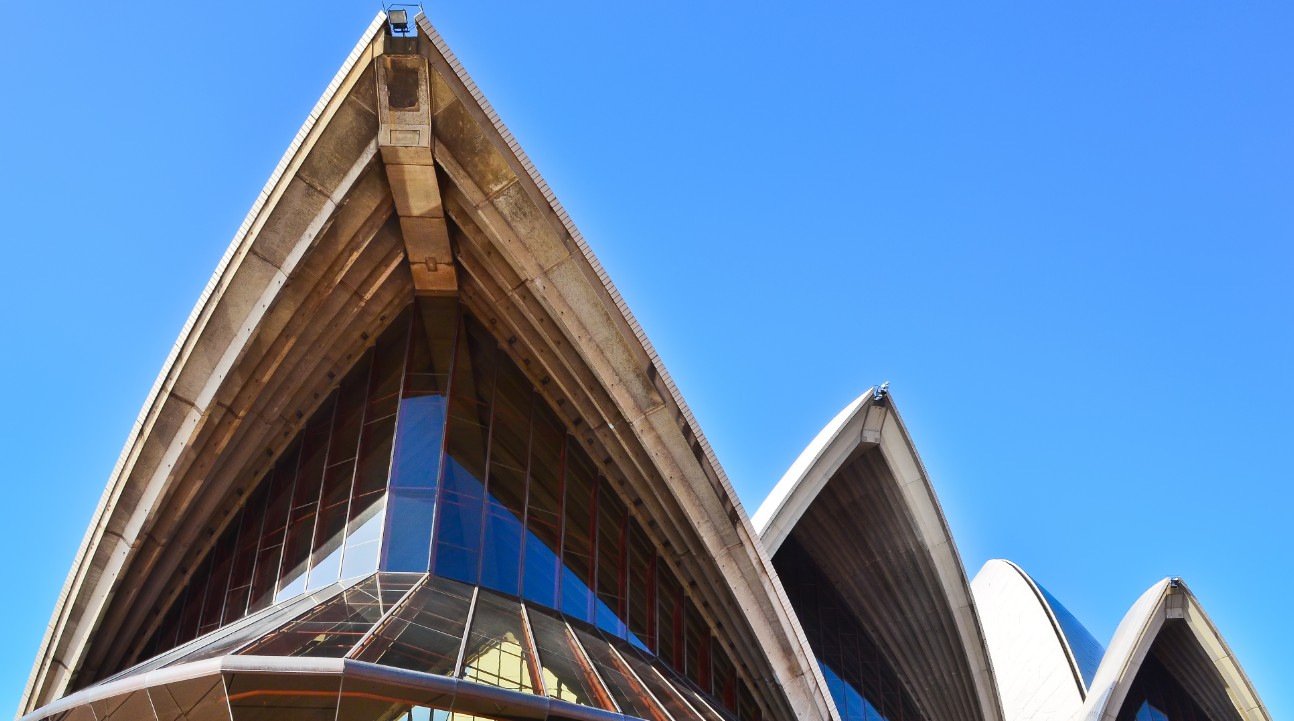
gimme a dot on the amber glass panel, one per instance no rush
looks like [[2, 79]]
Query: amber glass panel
[[368, 496], [425, 632], [305, 501], [332, 629], [567, 674], [697, 637], [642, 589], [269, 550], [498, 651], [222, 560], [612, 581], [577, 535], [629, 693], [669, 616], [194, 596], [725, 677], [133, 706], [669, 688], [339, 477], [249, 536], [541, 555], [460, 507]]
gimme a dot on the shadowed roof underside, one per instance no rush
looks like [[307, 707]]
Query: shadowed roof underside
[[859, 502], [324, 260]]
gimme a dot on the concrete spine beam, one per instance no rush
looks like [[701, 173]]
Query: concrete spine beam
[[405, 141]]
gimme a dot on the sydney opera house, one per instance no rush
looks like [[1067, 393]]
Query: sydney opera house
[[412, 458]]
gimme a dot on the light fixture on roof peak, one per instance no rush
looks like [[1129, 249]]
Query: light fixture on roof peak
[[397, 19]]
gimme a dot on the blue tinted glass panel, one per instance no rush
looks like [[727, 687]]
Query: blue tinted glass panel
[[1087, 650]]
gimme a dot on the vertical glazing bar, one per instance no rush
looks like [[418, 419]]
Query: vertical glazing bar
[[467, 632]]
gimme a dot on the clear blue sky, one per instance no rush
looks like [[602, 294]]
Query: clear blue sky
[[1062, 231]]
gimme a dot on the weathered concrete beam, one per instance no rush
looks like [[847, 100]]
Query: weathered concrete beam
[[405, 141]]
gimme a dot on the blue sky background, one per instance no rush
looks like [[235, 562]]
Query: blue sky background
[[1062, 233]]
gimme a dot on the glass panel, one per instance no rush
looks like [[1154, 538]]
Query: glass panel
[[577, 535], [567, 674], [458, 530], [725, 676], [506, 481], [868, 686], [613, 520], [305, 501], [363, 700], [222, 554], [199, 699], [283, 697], [697, 637], [642, 589], [668, 688], [543, 508], [415, 470], [269, 551], [628, 692], [196, 594], [339, 477], [240, 576], [497, 650], [368, 495], [133, 706], [425, 632], [669, 615], [334, 628], [249, 629]]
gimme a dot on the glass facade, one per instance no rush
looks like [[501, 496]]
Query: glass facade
[[1156, 696], [434, 625], [859, 676], [436, 455]]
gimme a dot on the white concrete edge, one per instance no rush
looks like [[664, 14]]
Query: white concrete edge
[[207, 300], [802, 482], [900, 453], [1132, 641], [1055, 624], [819, 461]]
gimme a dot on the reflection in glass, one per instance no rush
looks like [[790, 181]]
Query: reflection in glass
[[497, 649], [567, 673], [283, 697], [436, 452], [331, 629], [425, 633], [629, 693]]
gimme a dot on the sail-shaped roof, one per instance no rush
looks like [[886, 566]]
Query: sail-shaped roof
[[1166, 639], [858, 502], [1038, 672], [362, 214]]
